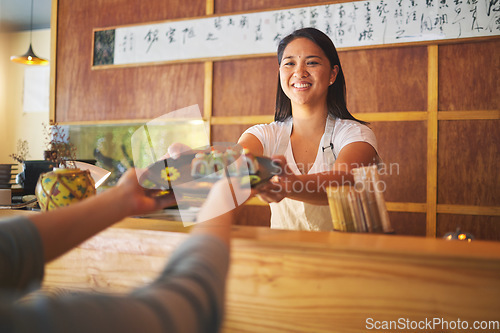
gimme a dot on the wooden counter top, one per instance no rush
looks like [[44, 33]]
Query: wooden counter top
[[375, 243], [292, 281]]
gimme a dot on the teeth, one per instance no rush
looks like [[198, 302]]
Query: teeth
[[301, 85]]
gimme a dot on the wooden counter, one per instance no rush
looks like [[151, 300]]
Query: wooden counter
[[291, 281]]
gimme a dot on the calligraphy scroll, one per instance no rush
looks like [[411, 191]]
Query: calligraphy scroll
[[352, 24]]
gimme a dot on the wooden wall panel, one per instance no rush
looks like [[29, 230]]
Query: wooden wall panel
[[403, 148], [227, 133], [469, 76], [83, 94], [411, 224], [482, 227], [395, 78], [384, 80], [245, 87], [468, 162], [224, 6], [139, 94], [252, 215]]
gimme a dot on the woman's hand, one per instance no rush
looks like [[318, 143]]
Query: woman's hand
[[280, 186]]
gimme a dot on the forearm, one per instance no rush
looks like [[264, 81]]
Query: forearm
[[219, 226], [188, 296], [64, 228], [312, 188], [221, 209]]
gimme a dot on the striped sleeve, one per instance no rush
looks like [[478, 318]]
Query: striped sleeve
[[21, 254], [187, 297]]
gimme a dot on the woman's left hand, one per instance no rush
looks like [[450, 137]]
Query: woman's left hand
[[280, 185]]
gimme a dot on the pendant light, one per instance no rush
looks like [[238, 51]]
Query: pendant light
[[29, 58]]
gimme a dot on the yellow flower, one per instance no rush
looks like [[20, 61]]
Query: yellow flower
[[170, 174], [252, 179]]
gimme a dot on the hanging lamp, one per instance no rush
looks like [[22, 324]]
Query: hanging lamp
[[30, 58]]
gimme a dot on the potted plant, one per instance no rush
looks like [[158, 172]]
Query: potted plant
[[22, 151], [66, 183], [19, 157]]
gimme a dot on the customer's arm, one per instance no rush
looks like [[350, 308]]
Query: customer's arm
[[65, 228], [26, 243], [221, 207], [187, 297]]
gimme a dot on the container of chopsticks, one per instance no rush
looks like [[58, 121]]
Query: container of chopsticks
[[360, 208]]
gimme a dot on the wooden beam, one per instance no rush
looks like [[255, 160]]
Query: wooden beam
[[210, 7], [392, 116], [468, 210], [469, 115], [53, 58], [208, 96], [251, 120], [121, 122], [410, 207], [413, 207], [242, 120], [209, 80], [432, 139]]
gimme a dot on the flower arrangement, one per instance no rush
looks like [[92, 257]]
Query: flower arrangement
[[22, 151], [58, 147]]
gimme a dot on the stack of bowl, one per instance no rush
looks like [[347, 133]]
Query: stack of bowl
[[6, 176]]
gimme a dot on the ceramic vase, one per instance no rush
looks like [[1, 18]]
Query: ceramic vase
[[62, 187]]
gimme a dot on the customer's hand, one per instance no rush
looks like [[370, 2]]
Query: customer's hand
[[175, 150], [138, 200]]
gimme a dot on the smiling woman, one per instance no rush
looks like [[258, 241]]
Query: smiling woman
[[305, 74], [314, 138]]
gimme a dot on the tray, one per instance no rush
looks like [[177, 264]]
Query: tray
[[175, 174]]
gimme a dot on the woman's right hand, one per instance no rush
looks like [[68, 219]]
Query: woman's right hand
[[280, 185]]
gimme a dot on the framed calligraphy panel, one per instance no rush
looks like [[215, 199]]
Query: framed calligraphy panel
[[352, 24]]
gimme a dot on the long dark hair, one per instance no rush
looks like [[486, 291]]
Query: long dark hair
[[336, 101]]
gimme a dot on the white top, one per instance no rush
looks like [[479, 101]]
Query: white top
[[275, 139]]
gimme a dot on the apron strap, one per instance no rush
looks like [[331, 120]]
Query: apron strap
[[284, 137], [327, 145]]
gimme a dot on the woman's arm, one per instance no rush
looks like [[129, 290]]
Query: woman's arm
[[253, 144], [311, 188]]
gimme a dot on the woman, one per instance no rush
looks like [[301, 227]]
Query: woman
[[318, 141]]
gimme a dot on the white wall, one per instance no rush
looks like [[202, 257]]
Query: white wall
[[14, 124]]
